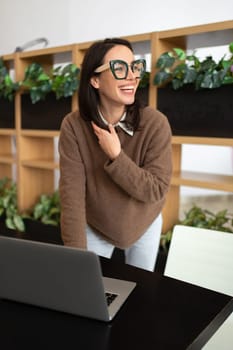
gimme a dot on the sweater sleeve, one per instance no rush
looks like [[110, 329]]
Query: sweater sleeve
[[72, 189], [149, 181]]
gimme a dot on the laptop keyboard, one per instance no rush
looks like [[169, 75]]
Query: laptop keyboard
[[110, 297]]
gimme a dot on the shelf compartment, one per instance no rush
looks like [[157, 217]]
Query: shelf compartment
[[32, 183], [7, 114], [6, 147], [7, 157], [47, 57], [203, 180], [35, 148], [44, 115]]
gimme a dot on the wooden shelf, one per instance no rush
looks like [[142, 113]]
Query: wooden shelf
[[213, 141], [46, 51], [40, 164], [40, 133], [138, 38], [9, 57], [7, 132], [7, 159], [203, 180]]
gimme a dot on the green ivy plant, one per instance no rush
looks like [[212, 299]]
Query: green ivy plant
[[37, 81], [63, 81], [179, 69], [7, 86], [8, 205], [48, 210], [203, 218]]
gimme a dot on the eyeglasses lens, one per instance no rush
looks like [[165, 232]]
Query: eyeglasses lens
[[138, 68], [120, 68]]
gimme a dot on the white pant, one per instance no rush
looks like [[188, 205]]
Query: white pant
[[142, 253]]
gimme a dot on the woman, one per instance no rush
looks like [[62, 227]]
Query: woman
[[115, 160]]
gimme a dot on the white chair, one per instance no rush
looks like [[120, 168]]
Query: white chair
[[205, 258]]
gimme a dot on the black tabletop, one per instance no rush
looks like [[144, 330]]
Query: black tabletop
[[161, 313]]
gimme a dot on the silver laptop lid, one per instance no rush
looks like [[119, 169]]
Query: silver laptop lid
[[56, 277]]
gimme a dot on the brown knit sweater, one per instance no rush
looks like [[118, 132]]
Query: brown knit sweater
[[119, 199]]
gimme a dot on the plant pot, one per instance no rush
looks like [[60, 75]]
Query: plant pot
[[44, 115], [207, 113], [38, 231], [7, 113], [35, 231]]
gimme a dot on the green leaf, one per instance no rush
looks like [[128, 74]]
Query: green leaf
[[43, 77], [231, 47], [177, 83], [18, 223], [48, 210], [161, 78], [166, 60], [10, 223], [65, 81], [6, 201], [181, 54], [38, 211]]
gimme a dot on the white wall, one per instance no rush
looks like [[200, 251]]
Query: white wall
[[68, 21], [105, 18], [24, 20]]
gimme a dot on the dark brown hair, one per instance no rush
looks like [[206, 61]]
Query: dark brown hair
[[88, 96]]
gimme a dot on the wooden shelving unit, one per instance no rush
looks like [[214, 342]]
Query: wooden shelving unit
[[35, 157], [7, 136], [34, 160], [213, 34]]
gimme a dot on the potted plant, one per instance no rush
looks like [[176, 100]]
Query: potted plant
[[42, 222], [196, 95], [47, 209], [49, 98], [7, 91]]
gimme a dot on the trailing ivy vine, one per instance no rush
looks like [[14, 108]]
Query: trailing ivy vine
[[7, 86]]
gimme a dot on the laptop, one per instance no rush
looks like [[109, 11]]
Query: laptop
[[60, 278]]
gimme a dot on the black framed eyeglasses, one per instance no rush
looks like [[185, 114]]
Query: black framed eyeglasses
[[120, 68]]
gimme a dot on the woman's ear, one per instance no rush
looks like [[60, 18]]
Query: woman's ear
[[95, 82]]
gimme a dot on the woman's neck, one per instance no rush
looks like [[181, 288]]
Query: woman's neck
[[112, 115]]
